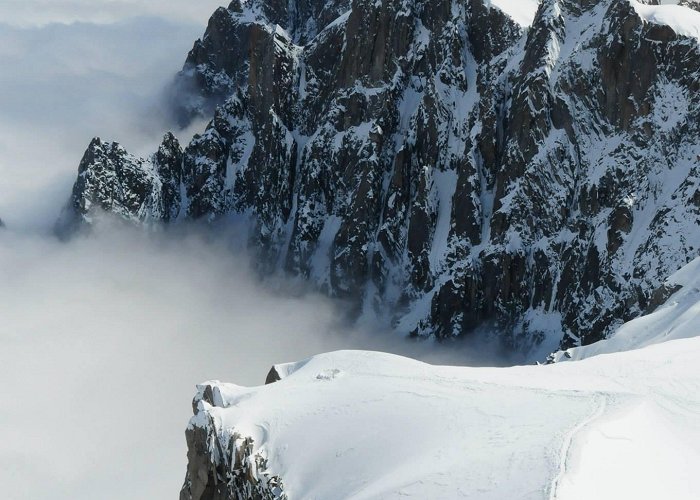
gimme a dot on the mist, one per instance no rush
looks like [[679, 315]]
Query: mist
[[104, 337], [67, 78], [42, 12]]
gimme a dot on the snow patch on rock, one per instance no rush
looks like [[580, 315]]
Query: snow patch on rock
[[521, 11]]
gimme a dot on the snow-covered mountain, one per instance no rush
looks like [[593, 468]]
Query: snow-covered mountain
[[363, 425], [622, 424], [452, 164]]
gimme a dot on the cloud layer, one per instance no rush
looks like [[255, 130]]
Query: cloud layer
[[42, 12], [104, 338], [62, 84]]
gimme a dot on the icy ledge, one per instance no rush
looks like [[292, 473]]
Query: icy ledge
[[368, 425]]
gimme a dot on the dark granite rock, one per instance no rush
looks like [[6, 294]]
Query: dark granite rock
[[224, 465], [436, 161], [272, 376]]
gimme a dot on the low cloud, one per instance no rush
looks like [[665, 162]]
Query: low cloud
[[103, 339], [26, 13], [63, 84]]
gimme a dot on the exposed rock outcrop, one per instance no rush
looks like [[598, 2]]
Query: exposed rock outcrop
[[437, 161], [222, 464], [137, 189], [273, 376]]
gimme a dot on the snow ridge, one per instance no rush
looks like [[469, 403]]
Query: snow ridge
[[357, 424], [677, 318]]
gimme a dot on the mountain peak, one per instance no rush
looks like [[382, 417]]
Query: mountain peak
[[451, 172]]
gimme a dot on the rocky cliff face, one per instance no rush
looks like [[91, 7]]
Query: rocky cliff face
[[222, 464], [437, 161]]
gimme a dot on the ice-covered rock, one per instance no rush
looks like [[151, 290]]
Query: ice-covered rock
[[136, 189]]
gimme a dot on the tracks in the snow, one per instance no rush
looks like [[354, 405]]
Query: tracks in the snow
[[601, 404]]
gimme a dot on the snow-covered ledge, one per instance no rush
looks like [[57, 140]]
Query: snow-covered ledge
[[357, 424]]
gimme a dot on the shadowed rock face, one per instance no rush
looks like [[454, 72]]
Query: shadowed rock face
[[436, 162]]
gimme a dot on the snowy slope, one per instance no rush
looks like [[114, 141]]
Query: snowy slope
[[678, 318], [521, 11], [366, 425]]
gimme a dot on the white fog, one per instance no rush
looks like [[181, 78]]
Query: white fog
[[103, 338]]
